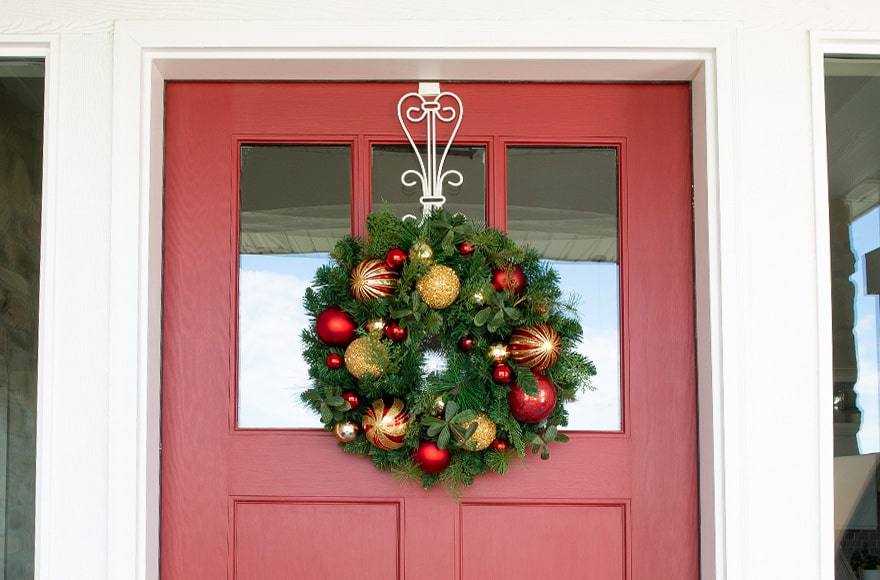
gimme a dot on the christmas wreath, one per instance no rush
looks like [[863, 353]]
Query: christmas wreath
[[388, 309]]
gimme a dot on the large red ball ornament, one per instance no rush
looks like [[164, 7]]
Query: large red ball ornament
[[430, 458], [372, 279], [395, 258], [395, 332], [385, 423], [529, 409], [536, 347], [334, 361], [352, 399], [335, 327], [510, 277], [502, 374]]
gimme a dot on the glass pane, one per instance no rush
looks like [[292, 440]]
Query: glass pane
[[21, 170], [852, 91], [295, 205], [563, 202], [391, 161]]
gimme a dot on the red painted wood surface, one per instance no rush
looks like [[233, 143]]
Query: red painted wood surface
[[242, 503]]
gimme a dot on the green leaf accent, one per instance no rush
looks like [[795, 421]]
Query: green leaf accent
[[482, 316], [545, 454], [562, 438], [464, 417], [443, 439]]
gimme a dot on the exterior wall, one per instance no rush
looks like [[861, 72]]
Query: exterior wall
[[20, 175], [775, 307]]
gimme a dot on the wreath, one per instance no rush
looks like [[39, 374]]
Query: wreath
[[441, 349]]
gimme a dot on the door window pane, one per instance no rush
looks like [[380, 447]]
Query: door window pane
[[563, 202], [852, 95], [391, 161], [295, 205], [21, 170]]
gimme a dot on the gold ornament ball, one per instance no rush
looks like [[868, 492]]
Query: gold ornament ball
[[438, 406], [497, 352], [422, 252], [376, 327], [366, 355], [386, 422], [439, 287], [483, 436], [346, 431]]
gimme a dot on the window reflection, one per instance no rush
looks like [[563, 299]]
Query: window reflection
[[853, 126]]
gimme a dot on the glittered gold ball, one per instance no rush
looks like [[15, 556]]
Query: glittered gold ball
[[346, 431], [422, 252], [439, 287], [366, 355], [483, 436]]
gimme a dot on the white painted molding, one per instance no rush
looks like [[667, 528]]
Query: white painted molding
[[822, 44], [146, 54], [45, 47]]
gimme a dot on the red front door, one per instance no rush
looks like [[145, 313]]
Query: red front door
[[285, 503]]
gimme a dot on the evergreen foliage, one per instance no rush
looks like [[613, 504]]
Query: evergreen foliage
[[465, 385]]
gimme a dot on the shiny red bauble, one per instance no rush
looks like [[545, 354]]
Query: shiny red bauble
[[335, 327], [352, 399], [499, 445], [466, 343], [334, 361], [510, 277], [466, 248], [395, 332], [502, 374], [430, 458], [395, 258], [529, 409]]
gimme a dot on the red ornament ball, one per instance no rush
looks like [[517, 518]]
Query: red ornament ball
[[466, 248], [529, 409], [430, 458], [502, 374], [466, 343], [352, 399], [372, 279], [335, 327], [536, 347], [334, 361], [510, 277], [499, 445], [395, 258], [385, 423], [395, 332]]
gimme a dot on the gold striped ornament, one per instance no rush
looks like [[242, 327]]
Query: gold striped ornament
[[385, 423], [372, 279], [536, 347]]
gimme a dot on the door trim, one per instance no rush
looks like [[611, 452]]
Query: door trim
[[146, 54]]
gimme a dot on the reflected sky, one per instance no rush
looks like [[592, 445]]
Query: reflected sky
[[272, 372]]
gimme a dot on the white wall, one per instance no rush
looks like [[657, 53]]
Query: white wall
[[773, 408]]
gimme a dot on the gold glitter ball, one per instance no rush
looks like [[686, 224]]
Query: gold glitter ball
[[366, 355], [483, 436], [439, 287], [421, 251]]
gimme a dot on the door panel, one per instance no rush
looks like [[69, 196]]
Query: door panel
[[247, 503]]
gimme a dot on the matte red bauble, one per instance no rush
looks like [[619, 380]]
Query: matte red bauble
[[430, 458], [466, 343], [395, 332], [530, 409], [466, 248], [335, 327], [502, 374], [510, 277], [352, 399], [395, 258], [334, 361], [499, 445], [537, 346], [385, 423], [372, 279]]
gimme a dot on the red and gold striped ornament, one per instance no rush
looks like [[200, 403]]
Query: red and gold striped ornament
[[372, 279], [536, 347], [385, 423]]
